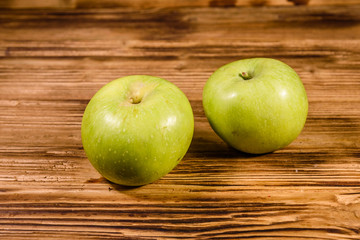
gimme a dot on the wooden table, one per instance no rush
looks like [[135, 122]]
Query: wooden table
[[53, 61]]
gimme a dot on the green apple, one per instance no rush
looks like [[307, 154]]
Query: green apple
[[136, 129], [256, 105]]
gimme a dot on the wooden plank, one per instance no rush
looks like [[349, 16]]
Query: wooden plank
[[52, 62], [144, 4]]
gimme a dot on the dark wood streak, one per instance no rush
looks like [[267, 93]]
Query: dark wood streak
[[53, 61], [144, 4]]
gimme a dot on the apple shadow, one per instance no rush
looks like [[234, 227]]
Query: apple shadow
[[206, 144], [209, 156], [112, 186]]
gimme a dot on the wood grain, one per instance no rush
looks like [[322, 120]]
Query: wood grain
[[52, 62], [145, 4]]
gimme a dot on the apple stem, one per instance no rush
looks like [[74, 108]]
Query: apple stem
[[245, 75], [135, 99]]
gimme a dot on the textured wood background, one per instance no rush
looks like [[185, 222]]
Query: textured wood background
[[53, 61], [144, 4]]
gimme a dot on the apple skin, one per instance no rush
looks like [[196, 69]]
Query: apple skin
[[136, 129], [256, 105]]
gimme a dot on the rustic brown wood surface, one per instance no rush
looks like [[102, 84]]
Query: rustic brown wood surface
[[144, 4], [53, 61]]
